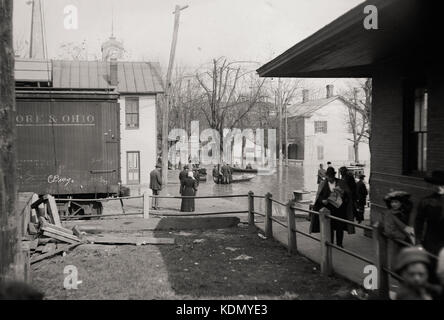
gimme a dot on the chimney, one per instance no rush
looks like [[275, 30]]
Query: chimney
[[330, 88], [113, 72], [305, 95]]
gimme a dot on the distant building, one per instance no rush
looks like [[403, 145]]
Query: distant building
[[138, 83], [318, 131]]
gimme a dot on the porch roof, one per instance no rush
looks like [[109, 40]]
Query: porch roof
[[344, 48]]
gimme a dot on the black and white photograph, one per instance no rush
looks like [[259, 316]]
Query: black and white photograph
[[222, 154]]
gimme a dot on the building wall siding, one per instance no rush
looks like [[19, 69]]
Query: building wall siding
[[142, 139], [336, 141]]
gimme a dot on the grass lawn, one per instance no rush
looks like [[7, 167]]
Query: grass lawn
[[201, 265]]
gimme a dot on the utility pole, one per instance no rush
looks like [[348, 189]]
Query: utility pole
[[166, 105], [9, 228], [286, 135]]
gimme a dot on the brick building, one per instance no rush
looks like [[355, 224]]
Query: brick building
[[404, 60]]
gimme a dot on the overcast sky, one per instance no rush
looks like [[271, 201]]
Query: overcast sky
[[256, 30]]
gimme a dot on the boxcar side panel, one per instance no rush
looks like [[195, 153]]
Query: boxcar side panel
[[68, 146]]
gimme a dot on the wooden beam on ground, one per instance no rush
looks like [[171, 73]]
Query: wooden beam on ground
[[54, 227], [53, 253], [130, 240]]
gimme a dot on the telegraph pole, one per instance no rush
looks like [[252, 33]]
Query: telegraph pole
[[286, 135], [166, 104]]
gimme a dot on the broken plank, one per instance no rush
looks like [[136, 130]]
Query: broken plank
[[59, 237], [53, 211], [34, 217], [35, 259], [50, 228], [49, 247], [58, 228]]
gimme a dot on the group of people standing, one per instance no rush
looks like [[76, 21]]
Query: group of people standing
[[223, 174], [423, 274], [417, 239], [343, 197], [188, 187]]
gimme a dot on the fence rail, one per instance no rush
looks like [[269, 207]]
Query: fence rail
[[380, 240]]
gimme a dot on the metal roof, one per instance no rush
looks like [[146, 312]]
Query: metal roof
[[306, 109], [33, 70], [133, 77]]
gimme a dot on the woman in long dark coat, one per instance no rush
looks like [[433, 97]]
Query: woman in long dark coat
[[189, 188], [344, 211]]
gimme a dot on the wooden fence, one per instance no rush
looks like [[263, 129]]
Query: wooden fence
[[380, 240]]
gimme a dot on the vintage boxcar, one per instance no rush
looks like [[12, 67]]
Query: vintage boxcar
[[68, 145]]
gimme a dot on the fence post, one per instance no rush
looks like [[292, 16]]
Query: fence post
[[146, 205], [380, 245], [251, 209], [326, 258], [268, 214], [291, 225]]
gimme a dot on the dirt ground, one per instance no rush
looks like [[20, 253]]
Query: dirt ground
[[233, 263]]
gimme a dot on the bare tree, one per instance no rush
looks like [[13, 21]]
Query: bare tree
[[284, 93], [220, 85], [359, 97], [21, 47]]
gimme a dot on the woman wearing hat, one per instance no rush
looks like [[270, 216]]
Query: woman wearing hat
[[396, 220], [334, 195], [189, 188]]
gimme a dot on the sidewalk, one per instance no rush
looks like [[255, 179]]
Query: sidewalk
[[343, 264]]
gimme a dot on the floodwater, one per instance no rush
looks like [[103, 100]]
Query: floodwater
[[281, 184]]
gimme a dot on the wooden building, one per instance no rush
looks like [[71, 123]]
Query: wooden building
[[319, 131], [403, 57]]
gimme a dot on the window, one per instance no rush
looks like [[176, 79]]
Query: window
[[415, 131], [320, 152], [320, 126], [133, 167], [132, 113]]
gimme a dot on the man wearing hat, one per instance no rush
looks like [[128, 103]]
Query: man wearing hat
[[156, 184], [361, 198], [334, 195], [429, 222]]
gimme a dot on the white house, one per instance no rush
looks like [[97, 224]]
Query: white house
[[319, 131]]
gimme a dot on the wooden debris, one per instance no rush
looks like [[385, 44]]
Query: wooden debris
[[52, 210], [49, 247], [32, 228], [60, 237], [54, 227], [34, 217], [76, 231], [65, 248]]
